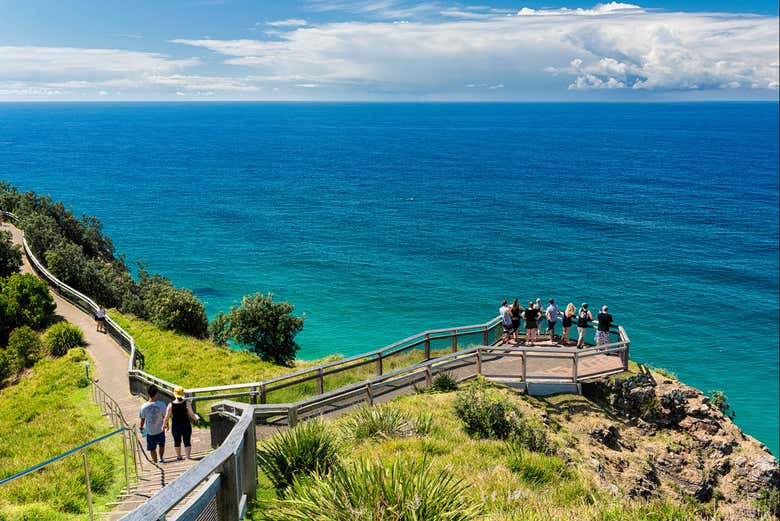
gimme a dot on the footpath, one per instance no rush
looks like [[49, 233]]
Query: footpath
[[109, 370]]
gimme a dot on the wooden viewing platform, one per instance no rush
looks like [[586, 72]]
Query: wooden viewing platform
[[223, 480]]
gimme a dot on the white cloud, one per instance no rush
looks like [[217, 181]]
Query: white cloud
[[290, 22], [611, 46], [64, 61], [611, 8], [473, 52]]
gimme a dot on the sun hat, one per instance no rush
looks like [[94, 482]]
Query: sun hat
[[178, 391]]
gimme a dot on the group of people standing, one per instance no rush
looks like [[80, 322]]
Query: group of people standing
[[534, 314], [156, 418]]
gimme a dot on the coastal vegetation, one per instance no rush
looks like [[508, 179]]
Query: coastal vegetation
[[26, 307], [10, 255], [262, 326], [76, 251], [47, 412], [448, 470]]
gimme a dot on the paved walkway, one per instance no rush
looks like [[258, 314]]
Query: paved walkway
[[109, 369]]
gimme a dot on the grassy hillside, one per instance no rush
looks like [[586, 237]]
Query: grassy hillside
[[498, 479], [48, 412], [191, 362]]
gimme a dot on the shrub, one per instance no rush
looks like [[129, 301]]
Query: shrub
[[769, 502], [61, 337], [444, 383], [10, 364], [403, 491], [219, 329], [534, 468], [486, 415], [10, 255], [533, 437], [24, 301], [375, 422], [265, 327], [721, 401], [178, 310], [26, 345], [309, 448]]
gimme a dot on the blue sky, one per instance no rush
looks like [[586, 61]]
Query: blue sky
[[388, 50]]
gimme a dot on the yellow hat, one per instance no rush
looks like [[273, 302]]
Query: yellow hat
[[178, 391]]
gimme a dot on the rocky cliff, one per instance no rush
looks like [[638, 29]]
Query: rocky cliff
[[657, 437]]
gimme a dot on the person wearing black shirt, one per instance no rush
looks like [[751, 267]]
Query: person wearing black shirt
[[604, 324], [531, 315]]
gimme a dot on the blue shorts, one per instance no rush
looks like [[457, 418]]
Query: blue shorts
[[155, 440]]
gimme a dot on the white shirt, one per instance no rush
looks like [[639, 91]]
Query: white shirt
[[506, 317], [552, 313]]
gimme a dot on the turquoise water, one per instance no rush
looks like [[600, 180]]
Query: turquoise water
[[382, 220]]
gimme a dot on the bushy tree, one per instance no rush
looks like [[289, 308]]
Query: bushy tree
[[265, 327], [177, 309], [65, 260], [61, 337], [24, 301], [10, 255], [42, 234], [26, 345], [219, 329]]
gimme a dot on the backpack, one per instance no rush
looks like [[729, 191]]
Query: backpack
[[582, 318]]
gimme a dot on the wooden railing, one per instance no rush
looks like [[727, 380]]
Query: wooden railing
[[226, 479]]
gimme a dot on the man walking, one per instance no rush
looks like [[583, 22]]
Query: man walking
[[552, 318], [152, 415]]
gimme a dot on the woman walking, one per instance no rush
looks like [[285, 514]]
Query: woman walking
[[567, 319], [516, 311], [180, 413], [531, 315]]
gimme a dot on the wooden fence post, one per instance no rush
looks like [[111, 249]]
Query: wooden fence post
[[485, 336], [427, 346], [479, 361], [379, 364], [454, 341], [320, 381], [574, 369], [228, 494]]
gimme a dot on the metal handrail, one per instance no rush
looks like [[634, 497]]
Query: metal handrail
[[61, 456]]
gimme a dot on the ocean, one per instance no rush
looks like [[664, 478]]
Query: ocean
[[382, 220]]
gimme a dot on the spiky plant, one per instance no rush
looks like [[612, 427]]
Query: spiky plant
[[402, 491], [310, 448]]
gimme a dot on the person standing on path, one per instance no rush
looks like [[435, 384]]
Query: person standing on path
[[584, 317], [506, 321], [152, 415], [604, 324], [552, 318], [100, 320], [180, 414]]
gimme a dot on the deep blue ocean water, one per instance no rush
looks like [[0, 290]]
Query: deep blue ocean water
[[382, 220]]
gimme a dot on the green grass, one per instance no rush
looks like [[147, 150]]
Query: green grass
[[503, 481], [48, 412], [191, 362]]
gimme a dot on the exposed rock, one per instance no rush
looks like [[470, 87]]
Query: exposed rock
[[606, 434], [667, 440]]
